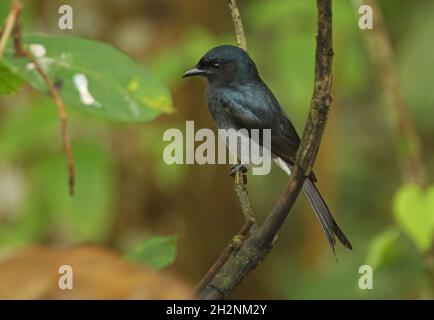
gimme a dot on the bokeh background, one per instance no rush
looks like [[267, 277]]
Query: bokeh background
[[126, 193]]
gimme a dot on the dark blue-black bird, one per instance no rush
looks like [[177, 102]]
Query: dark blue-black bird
[[238, 99]]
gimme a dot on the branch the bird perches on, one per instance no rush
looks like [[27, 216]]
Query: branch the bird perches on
[[241, 257]]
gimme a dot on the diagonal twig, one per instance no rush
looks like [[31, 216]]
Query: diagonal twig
[[238, 24], [9, 25], [67, 147]]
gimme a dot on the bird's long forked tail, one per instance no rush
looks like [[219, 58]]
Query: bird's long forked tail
[[324, 216]]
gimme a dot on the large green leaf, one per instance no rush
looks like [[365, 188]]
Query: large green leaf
[[414, 211], [157, 252], [93, 76]]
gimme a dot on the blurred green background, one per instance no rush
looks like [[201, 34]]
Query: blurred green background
[[126, 193]]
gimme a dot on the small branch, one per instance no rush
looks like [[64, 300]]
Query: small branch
[[9, 25], [240, 187], [238, 24], [63, 120], [21, 51], [240, 180], [257, 246], [379, 47]]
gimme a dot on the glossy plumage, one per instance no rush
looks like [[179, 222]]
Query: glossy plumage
[[239, 99]]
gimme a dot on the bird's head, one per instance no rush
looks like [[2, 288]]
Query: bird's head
[[224, 65]]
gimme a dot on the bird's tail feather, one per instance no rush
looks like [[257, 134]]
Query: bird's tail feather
[[324, 216]]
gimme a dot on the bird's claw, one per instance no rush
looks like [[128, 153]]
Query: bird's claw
[[238, 167]]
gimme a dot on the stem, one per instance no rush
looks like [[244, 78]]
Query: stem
[[54, 92], [60, 105], [238, 24], [9, 25]]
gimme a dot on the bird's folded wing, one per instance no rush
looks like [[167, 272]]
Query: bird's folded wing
[[262, 111]]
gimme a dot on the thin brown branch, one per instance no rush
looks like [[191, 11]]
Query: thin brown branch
[[240, 187], [9, 25], [238, 24], [63, 119], [379, 46], [252, 251], [239, 177], [60, 105]]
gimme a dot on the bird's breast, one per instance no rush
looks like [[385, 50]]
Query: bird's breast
[[220, 116]]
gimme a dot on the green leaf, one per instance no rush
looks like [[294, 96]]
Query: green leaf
[[414, 211], [157, 252], [381, 247], [94, 77], [9, 82]]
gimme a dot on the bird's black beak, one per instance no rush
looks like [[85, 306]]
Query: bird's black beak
[[194, 72]]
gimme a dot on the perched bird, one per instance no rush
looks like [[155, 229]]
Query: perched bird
[[238, 99]]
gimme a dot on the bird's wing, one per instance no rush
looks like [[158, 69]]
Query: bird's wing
[[259, 109]]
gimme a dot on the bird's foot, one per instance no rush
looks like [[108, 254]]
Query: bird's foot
[[238, 167]]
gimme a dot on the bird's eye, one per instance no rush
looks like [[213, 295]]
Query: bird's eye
[[216, 65]]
